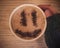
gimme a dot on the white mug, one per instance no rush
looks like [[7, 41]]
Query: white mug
[[15, 10]]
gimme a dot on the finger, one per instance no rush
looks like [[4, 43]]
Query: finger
[[51, 8], [44, 7], [48, 13]]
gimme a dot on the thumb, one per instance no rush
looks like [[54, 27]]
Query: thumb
[[48, 13]]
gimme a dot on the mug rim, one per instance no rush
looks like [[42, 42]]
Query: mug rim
[[14, 10]]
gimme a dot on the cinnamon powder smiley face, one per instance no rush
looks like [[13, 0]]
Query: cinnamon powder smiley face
[[28, 22]]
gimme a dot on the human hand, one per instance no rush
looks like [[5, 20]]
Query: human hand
[[48, 10]]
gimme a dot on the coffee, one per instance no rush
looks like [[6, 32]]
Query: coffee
[[28, 22]]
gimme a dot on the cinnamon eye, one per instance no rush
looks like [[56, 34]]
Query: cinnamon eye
[[33, 13], [34, 17], [23, 20]]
